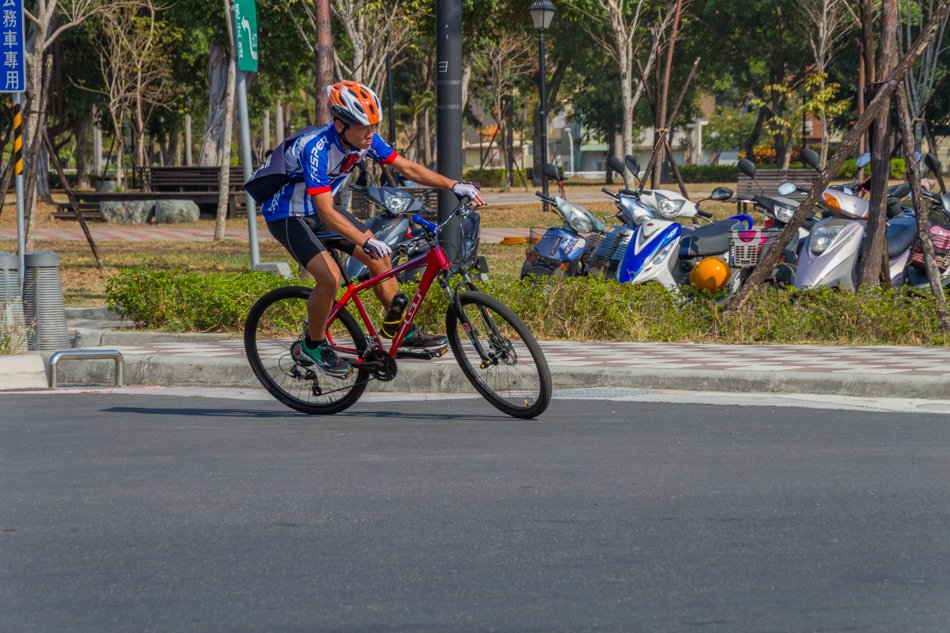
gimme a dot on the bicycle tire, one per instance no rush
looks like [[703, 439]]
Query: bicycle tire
[[273, 325], [517, 381]]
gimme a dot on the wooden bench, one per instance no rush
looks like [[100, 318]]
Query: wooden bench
[[771, 179], [199, 184]]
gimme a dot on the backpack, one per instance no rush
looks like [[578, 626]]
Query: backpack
[[272, 175]]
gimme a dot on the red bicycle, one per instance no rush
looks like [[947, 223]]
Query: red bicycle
[[493, 347]]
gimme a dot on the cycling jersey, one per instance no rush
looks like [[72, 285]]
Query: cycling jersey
[[321, 162]]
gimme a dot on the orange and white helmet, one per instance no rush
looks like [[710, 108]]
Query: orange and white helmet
[[354, 103]]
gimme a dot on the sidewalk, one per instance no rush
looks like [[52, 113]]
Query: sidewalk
[[209, 360]]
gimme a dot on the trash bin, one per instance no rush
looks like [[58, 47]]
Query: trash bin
[[12, 323], [43, 302]]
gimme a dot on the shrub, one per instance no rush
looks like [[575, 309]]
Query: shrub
[[185, 301], [850, 167], [574, 308], [709, 173], [489, 177]]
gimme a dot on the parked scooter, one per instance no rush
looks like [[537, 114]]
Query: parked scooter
[[661, 249], [939, 217], [392, 226], [829, 256], [560, 249]]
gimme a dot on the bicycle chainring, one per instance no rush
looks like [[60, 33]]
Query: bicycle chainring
[[384, 365]]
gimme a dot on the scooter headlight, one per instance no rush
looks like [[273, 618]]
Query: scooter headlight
[[659, 257], [668, 208], [822, 237], [783, 214], [397, 203], [580, 224]]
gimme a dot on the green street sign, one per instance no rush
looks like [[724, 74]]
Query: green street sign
[[245, 25]]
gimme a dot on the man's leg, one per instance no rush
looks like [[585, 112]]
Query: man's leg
[[326, 274]]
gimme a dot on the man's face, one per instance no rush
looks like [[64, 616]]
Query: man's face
[[359, 136]]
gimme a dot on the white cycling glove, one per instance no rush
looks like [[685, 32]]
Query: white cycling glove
[[466, 189], [376, 249]]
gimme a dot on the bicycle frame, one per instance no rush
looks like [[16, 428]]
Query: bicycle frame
[[435, 263]]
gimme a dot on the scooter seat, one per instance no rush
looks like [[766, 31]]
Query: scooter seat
[[710, 239], [900, 234]]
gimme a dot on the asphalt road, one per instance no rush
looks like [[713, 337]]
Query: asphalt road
[[156, 513]]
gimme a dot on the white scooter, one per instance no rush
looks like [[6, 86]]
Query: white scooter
[[828, 256], [661, 249]]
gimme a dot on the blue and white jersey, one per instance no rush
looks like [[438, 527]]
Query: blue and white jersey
[[320, 164]]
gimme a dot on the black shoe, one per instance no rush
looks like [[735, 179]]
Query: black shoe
[[323, 357], [418, 340]]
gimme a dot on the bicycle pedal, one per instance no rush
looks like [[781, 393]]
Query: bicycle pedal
[[424, 355]]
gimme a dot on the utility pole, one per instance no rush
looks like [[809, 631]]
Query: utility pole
[[448, 30]]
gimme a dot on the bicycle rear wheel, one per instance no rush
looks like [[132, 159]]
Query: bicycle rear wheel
[[511, 373], [279, 320]]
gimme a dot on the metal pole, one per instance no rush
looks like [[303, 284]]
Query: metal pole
[[542, 111], [448, 17], [18, 172], [248, 169]]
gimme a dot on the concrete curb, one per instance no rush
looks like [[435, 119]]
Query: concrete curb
[[424, 377], [23, 371]]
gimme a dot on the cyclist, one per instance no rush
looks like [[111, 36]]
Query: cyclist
[[322, 159]]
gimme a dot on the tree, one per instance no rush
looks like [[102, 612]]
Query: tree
[[627, 24], [49, 20], [135, 49], [827, 25], [497, 71], [922, 81]]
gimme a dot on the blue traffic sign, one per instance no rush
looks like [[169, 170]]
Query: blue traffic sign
[[12, 57]]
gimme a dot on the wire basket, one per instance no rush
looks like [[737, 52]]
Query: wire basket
[[941, 242], [747, 248]]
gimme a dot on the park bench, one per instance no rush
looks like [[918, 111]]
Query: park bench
[[198, 184], [771, 179]]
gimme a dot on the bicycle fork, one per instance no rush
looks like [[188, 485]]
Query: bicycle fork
[[487, 359]]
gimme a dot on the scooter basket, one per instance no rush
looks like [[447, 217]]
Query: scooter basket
[[941, 240], [747, 248]]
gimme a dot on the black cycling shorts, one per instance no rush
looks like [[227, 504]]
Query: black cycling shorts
[[306, 237]]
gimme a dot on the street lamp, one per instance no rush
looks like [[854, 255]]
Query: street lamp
[[542, 12]]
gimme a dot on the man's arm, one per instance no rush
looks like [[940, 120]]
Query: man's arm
[[425, 176]]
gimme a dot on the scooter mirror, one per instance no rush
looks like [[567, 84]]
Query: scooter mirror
[[864, 160], [811, 158], [932, 162], [787, 188], [747, 167], [631, 164], [551, 171], [899, 191], [614, 163], [720, 193]]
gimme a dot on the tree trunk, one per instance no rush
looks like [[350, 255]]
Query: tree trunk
[[323, 60], [920, 205], [220, 78], [279, 128], [664, 96], [873, 248], [227, 122], [82, 132]]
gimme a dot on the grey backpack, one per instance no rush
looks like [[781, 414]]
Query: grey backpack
[[272, 174]]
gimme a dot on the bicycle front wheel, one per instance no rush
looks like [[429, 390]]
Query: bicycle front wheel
[[499, 355], [277, 322]]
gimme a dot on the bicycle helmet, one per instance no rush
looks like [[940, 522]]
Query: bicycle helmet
[[353, 103], [710, 274]]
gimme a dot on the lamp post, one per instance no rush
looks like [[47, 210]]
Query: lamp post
[[542, 12]]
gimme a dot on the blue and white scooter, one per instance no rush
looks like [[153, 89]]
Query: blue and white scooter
[[560, 249], [661, 249]]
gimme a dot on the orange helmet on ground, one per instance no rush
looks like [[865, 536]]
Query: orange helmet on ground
[[710, 274], [354, 103]]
